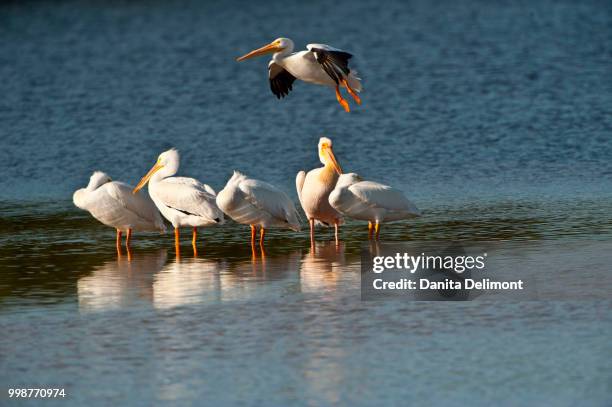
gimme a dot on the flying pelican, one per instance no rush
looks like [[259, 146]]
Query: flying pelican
[[113, 204], [371, 201], [320, 64], [183, 201], [252, 202], [314, 188]]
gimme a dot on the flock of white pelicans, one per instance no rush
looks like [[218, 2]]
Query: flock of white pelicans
[[326, 194]]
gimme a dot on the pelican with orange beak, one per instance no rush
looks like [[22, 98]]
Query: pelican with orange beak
[[314, 187], [319, 64], [182, 201]]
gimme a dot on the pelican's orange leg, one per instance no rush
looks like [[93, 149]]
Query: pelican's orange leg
[[370, 227], [351, 91], [312, 234], [253, 234], [341, 100], [262, 235], [118, 242], [128, 238], [194, 239], [377, 229], [177, 242], [336, 224], [253, 237]]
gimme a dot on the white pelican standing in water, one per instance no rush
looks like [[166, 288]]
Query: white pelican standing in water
[[183, 201], [314, 187], [256, 203], [320, 64], [371, 201], [113, 204]]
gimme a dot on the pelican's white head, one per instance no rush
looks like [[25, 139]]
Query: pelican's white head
[[346, 180], [280, 45], [326, 154], [170, 160], [284, 43], [167, 165], [97, 179]]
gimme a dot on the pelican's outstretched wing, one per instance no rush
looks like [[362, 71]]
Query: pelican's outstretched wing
[[272, 200], [189, 196], [383, 196], [281, 81], [334, 61]]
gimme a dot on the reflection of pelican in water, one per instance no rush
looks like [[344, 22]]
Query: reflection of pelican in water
[[197, 280], [188, 281], [325, 265], [119, 282], [244, 277], [324, 269]]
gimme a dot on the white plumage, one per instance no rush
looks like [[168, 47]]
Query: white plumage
[[314, 187], [183, 201], [320, 64], [253, 202], [304, 65], [186, 202], [114, 204], [371, 201]]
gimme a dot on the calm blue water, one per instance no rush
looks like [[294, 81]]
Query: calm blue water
[[495, 118]]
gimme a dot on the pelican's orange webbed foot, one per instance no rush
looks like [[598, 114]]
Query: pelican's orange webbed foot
[[341, 100], [351, 91]]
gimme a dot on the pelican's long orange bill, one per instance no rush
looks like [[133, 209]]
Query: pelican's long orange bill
[[335, 164], [267, 49], [146, 178]]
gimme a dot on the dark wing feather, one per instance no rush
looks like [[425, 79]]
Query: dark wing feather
[[334, 62], [281, 81]]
